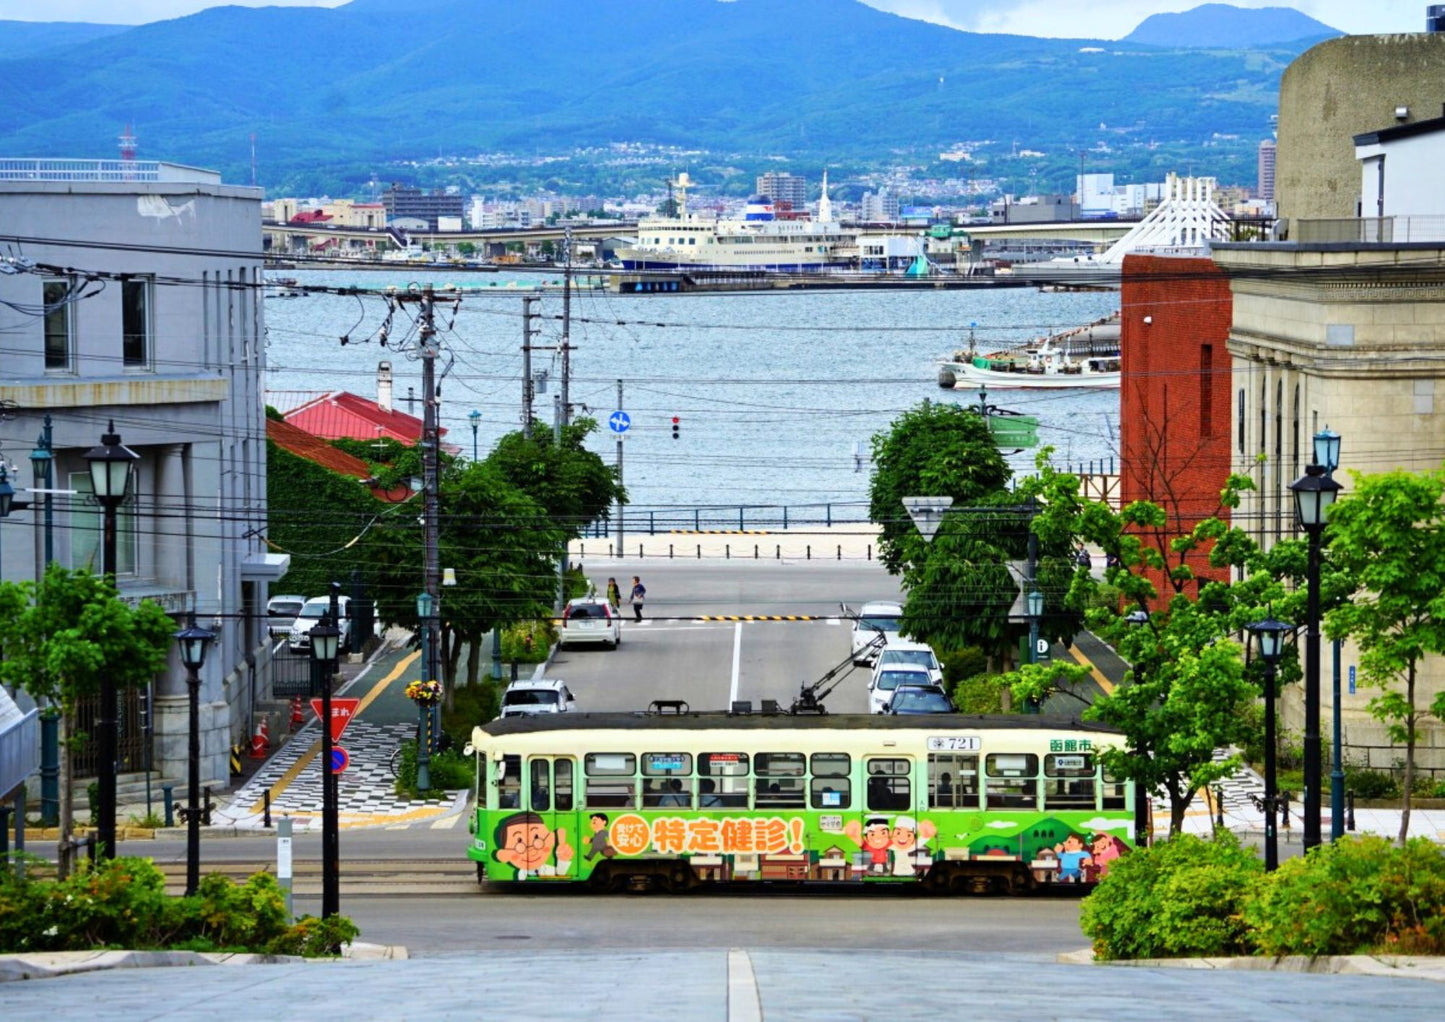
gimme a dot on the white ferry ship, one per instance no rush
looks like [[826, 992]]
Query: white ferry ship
[[759, 241]]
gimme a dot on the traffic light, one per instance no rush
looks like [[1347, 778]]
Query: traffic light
[[675, 421]]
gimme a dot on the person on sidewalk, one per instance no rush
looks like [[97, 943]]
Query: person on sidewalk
[[614, 595], [638, 594]]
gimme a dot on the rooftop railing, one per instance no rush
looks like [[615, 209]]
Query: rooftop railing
[[105, 171], [1383, 230]]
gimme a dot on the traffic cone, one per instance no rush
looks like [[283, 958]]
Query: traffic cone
[[297, 717], [258, 741], [265, 729]]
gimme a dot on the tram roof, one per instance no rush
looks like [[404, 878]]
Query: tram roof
[[644, 721]]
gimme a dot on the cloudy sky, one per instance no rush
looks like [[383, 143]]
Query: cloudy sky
[[1092, 19]]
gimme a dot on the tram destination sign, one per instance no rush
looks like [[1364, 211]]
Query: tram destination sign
[[954, 743]]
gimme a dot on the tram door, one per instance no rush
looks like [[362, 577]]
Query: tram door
[[551, 794], [890, 819]]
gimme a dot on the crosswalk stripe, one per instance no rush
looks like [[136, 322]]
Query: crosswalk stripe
[[447, 822]]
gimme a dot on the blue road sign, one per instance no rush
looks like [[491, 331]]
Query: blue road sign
[[1352, 679], [340, 759], [619, 421]]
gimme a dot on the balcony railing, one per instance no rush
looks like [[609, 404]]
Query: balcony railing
[[1381, 230], [127, 171]]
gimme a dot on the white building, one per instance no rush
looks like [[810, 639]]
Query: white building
[[879, 208], [1400, 178], [132, 295]]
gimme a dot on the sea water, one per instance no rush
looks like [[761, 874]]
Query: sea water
[[777, 394]]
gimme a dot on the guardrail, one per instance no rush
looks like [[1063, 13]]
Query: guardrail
[[733, 518]]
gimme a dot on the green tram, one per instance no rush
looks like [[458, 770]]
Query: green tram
[[960, 803]]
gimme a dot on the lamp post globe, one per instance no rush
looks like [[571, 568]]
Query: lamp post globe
[[7, 492], [1314, 493], [1327, 450], [110, 467], [193, 643]]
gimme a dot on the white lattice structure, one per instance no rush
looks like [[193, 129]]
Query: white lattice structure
[[1186, 221]]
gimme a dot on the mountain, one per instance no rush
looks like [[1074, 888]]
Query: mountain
[[1225, 26], [378, 81], [27, 38]]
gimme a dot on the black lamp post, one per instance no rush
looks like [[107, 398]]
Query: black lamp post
[[42, 465], [1314, 492], [325, 638], [476, 420], [1327, 453], [1142, 830], [194, 642], [110, 471], [42, 461], [1269, 636]]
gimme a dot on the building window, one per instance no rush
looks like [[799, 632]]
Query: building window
[[1278, 459], [87, 523], [1206, 385], [1240, 426], [59, 324], [135, 306], [1296, 432]]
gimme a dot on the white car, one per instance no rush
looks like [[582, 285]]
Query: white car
[[310, 617], [589, 620], [873, 619], [541, 695], [281, 612], [900, 652], [880, 689]]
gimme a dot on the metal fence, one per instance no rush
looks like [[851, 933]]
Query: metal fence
[[733, 518], [132, 741], [19, 751], [1383, 230], [293, 676]]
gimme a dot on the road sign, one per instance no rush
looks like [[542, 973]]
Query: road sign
[[342, 710], [340, 759], [1352, 679], [619, 421], [1043, 648]]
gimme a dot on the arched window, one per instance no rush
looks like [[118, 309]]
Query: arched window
[[1278, 458], [1239, 427], [1295, 461]]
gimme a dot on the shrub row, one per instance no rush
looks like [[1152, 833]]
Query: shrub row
[[1189, 897], [122, 903]]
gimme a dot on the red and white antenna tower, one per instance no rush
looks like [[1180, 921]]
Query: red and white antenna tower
[[127, 144]]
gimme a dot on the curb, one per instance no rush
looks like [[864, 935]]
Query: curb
[[1425, 967], [52, 964]]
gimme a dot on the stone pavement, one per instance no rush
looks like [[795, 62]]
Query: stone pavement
[[723, 984]]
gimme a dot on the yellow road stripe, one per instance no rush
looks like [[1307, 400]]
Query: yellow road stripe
[[1098, 675], [304, 760]]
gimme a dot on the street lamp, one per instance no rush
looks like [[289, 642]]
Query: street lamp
[[325, 638], [1314, 492], [193, 643], [1139, 618], [1269, 636], [7, 492], [423, 736], [476, 418], [1327, 453], [42, 462], [111, 465], [1034, 604]]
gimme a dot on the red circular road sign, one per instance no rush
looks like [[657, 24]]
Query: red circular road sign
[[340, 759]]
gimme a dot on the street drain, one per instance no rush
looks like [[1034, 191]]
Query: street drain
[[512, 936]]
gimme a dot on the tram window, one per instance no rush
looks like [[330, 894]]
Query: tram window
[[952, 781], [1115, 792], [666, 764], [888, 785], [541, 799], [671, 791], [832, 785], [509, 783], [1011, 780], [780, 780], [562, 785], [730, 769], [1069, 781], [609, 779]]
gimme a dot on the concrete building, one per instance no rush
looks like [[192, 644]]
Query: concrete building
[[1337, 90], [145, 311], [1265, 174], [402, 202], [781, 186], [1406, 203], [879, 207]]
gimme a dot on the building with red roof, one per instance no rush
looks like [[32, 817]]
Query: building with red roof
[[316, 450]]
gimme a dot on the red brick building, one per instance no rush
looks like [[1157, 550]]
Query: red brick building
[[1174, 395]]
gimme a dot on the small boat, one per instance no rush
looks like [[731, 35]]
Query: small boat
[[284, 287], [1042, 366]]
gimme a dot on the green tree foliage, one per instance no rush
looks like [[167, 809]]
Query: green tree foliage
[[1183, 897], [63, 636], [1388, 534], [572, 483]]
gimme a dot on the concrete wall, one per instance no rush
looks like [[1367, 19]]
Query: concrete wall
[[1353, 338], [1342, 88], [193, 413]]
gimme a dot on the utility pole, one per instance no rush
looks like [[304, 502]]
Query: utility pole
[[559, 403], [527, 394], [566, 328], [619, 473]]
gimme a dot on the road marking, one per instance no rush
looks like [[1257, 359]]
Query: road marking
[[304, 760], [737, 662], [757, 617], [835, 622], [1098, 675], [447, 822], [744, 1005]]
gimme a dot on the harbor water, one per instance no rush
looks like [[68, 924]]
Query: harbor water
[[777, 394]]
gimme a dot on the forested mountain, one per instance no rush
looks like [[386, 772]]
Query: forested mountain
[[377, 81], [1223, 25], [28, 38]]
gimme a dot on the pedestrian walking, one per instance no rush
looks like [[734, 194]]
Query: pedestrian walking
[[614, 595], [638, 594]]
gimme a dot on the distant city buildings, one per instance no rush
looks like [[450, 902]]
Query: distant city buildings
[[405, 203], [1100, 197], [784, 187], [878, 207]]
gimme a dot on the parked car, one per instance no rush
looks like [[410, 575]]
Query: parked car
[[897, 652], [310, 616], [540, 695], [880, 689], [281, 612], [589, 620], [910, 699], [872, 620]]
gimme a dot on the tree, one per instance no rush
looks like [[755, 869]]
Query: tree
[[572, 483], [62, 637], [1388, 535], [933, 450]]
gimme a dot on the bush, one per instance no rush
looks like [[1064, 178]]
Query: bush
[[1374, 784], [962, 664], [980, 694], [313, 938], [1183, 897], [1354, 896], [528, 642], [447, 771], [471, 705]]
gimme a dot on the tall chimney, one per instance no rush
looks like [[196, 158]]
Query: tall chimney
[[383, 385]]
